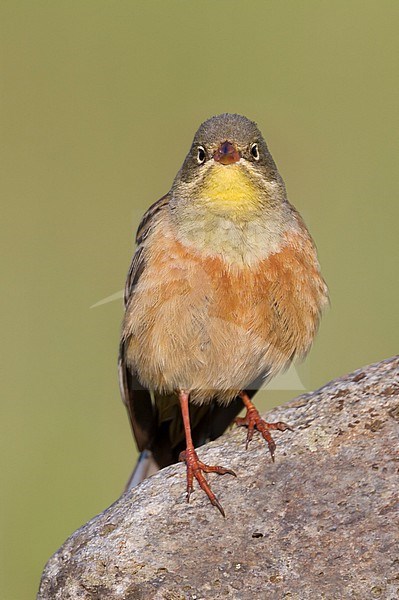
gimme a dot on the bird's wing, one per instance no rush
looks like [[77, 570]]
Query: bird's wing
[[141, 411], [137, 264]]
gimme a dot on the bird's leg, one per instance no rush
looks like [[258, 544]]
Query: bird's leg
[[196, 468], [253, 421]]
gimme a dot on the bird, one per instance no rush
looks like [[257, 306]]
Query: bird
[[224, 291]]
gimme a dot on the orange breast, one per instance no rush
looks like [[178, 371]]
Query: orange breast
[[280, 300], [201, 324]]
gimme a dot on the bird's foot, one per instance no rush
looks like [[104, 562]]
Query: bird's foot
[[196, 468], [253, 420]]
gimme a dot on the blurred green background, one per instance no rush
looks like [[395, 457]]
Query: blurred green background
[[99, 103]]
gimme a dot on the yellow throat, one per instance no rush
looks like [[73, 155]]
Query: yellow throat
[[229, 188]]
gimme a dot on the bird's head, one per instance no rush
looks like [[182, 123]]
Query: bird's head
[[229, 168]]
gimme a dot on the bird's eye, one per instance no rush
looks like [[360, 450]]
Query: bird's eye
[[201, 155], [254, 150]]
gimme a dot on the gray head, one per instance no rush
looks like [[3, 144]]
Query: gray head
[[226, 139]]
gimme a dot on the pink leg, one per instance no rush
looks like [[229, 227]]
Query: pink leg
[[196, 468], [253, 421]]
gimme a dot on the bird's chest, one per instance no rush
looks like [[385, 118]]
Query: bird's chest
[[197, 321], [205, 300], [186, 290], [236, 298], [226, 237]]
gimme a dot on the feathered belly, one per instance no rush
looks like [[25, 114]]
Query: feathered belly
[[198, 325]]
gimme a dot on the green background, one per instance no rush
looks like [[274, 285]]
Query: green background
[[100, 101]]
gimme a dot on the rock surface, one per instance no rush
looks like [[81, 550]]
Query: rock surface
[[321, 522]]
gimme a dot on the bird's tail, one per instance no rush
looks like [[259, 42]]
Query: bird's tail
[[145, 467]]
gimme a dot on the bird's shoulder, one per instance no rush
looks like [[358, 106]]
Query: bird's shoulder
[[146, 224], [149, 216]]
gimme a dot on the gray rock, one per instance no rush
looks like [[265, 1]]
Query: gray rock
[[321, 522]]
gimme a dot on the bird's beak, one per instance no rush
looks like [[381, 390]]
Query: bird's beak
[[227, 154]]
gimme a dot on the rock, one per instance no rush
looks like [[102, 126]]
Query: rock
[[320, 522]]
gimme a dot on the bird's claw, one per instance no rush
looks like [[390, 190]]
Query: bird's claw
[[253, 420], [196, 468]]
